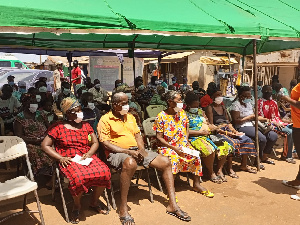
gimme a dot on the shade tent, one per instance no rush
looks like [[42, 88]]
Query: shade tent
[[226, 25]]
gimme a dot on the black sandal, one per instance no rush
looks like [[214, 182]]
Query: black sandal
[[99, 209], [180, 215], [75, 217], [268, 161], [127, 219]]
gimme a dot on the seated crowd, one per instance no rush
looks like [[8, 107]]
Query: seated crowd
[[58, 126]]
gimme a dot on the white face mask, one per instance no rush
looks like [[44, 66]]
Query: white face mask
[[83, 91], [218, 100], [193, 110], [125, 109], [91, 105], [178, 107], [79, 117], [38, 98], [33, 108], [97, 86]]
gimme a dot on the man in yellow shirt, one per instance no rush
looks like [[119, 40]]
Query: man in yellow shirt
[[125, 149]]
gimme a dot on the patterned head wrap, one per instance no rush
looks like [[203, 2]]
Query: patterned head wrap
[[68, 104]]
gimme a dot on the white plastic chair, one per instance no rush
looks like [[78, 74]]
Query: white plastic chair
[[153, 110], [12, 147]]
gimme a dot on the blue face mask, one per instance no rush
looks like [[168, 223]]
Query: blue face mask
[[246, 101], [11, 83], [22, 90]]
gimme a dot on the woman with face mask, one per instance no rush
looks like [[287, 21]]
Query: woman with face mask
[[73, 137], [268, 108], [172, 131], [199, 131], [243, 117], [30, 126], [242, 144]]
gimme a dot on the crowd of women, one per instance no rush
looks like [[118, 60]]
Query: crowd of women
[[191, 120]]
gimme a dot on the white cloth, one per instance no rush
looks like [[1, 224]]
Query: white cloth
[[244, 111]]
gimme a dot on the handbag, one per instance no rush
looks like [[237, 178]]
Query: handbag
[[264, 128]]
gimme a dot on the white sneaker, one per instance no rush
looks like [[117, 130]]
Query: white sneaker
[[295, 197]]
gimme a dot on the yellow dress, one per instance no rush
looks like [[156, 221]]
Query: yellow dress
[[174, 129]]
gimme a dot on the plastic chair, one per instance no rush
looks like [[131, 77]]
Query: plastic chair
[[57, 179], [12, 147], [153, 110]]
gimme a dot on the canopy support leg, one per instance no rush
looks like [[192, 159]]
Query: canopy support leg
[[256, 105]]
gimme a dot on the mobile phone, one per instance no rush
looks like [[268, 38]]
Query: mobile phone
[[133, 148]]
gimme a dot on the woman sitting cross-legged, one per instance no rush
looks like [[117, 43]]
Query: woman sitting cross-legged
[[242, 144], [199, 131], [73, 137], [172, 129]]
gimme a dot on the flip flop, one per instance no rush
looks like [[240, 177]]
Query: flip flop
[[234, 175], [223, 178], [126, 219], [207, 194], [75, 217], [249, 170], [285, 182], [295, 197], [217, 180], [180, 215], [99, 209]]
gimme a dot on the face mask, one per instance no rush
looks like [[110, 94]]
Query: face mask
[[119, 84], [79, 117], [193, 110], [83, 91], [97, 86], [38, 98], [173, 81], [129, 95], [218, 100], [246, 101], [43, 89], [178, 107], [22, 90], [66, 91], [11, 83], [33, 108], [50, 118], [125, 109], [91, 105]]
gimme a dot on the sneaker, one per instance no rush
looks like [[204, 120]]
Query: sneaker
[[290, 160]]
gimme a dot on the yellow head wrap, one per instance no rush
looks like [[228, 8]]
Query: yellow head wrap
[[68, 103]]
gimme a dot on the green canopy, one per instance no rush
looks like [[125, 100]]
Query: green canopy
[[226, 25]]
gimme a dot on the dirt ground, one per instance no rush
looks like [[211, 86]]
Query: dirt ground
[[252, 199]]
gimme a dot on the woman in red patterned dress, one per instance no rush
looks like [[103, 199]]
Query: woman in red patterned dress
[[74, 137]]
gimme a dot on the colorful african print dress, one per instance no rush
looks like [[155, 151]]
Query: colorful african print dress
[[174, 129], [70, 142], [40, 162]]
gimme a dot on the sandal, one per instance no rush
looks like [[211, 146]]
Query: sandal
[[75, 217], [217, 180], [180, 215], [268, 161], [127, 219], [207, 194], [99, 209], [223, 178], [290, 160], [249, 170], [234, 175]]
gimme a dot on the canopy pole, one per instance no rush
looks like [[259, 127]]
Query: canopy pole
[[256, 105], [243, 64], [122, 69], [69, 57], [133, 63]]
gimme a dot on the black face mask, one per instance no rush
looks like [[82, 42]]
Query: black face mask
[[267, 95]]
